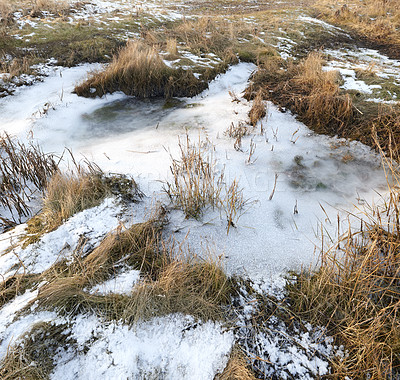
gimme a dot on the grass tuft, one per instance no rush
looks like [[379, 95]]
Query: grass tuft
[[70, 193], [138, 70], [171, 283], [32, 357], [258, 109], [24, 170], [196, 183], [355, 295]]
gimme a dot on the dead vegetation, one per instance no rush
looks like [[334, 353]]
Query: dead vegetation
[[376, 22], [6, 12], [307, 90], [197, 183], [171, 281], [315, 96], [258, 110], [237, 368], [355, 295], [24, 171], [32, 357], [138, 70], [33, 9], [74, 191]]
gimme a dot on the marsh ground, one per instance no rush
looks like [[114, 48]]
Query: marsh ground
[[188, 220]]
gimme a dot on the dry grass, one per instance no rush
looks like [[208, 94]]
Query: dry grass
[[172, 49], [258, 109], [197, 184], [237, 368], [307, 90], [138, 70], [24, 170], [171, 283], [33, 9], [374, 21], [188, 285], [6, 12], [16, 67], [355, 294], [15, 286], [32, 357], [314, 95], [56, 7], [69, 193]]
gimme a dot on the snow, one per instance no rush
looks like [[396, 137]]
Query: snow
[[121, 284], [93, 223], [172, 347], [329, 27]]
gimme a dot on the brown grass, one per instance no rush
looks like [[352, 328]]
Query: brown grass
[[188, 285], [197, 184], [237, 368], [6, 9], [170, 283], [172, 49], [258, 109], [355, 294], [32, 357], [314, 95], [70, 193], [375, 21], [57, 7], [307, 90], [16, 285], [24, 170], [138, 70]]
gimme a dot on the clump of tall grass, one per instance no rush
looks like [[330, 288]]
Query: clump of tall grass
[[24, 170], [355, 294], [171, 282], [258, 109], [74, 191], [307, 90], [197, 184], [139, 70]]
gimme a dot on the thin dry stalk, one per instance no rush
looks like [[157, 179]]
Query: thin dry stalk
[[233, 204]]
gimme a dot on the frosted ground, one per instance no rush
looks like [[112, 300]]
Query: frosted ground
[[320, 182]]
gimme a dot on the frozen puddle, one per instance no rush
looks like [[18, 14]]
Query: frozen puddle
[[122, 134]]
